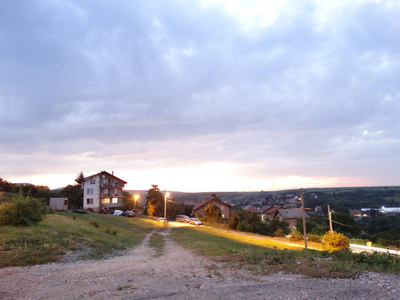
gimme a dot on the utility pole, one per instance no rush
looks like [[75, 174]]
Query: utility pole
[[166, 195], [304, 218], [330, 219]]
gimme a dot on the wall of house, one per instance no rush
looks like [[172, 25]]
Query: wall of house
[[95, 196], [111, 188]]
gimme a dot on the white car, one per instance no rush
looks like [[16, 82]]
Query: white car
[[117, 212], [195, 221]]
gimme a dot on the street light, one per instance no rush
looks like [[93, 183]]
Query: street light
[[136, 197], [165, 206]]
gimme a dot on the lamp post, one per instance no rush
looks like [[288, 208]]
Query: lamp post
[[136, 197], [165, 207]]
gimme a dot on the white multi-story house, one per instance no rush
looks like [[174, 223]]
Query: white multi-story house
[[102, 191]]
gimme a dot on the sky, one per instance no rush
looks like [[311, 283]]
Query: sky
[[201, 95]]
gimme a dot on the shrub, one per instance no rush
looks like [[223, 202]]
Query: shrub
[[333, 241], [22, 211], [95, 224], [314, 238], [296, 235], [318, 230], [279, 233], [383, 242], [244, 226]]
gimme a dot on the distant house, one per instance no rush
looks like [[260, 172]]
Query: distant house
[[290, 215], [198, 209], [261, 211], [269, 213], [102, 191]]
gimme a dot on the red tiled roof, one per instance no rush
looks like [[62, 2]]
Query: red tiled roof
[[104, 172], [273, 209]]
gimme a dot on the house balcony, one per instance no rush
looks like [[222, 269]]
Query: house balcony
[[110, 195], [109, 185]]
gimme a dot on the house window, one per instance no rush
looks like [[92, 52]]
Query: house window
[[92, 181], [114, 200], [89, 201], [105, 181], [89, 191], [106, 200]]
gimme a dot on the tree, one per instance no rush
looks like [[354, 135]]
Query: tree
[[154, 202], [21, 210], [215, 197], [247, 221], [276, 224], [6, 186], [127, 203], [235, 218], [345, 223], [74, 194], [213, 213], [79, 178], [315, 224]]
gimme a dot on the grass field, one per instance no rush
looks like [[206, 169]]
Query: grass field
[[95, 236], [268, 256], [92, 235]]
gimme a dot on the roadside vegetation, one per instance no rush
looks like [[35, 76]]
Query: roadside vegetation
[[84, 236], [157, 242], [266, 257]]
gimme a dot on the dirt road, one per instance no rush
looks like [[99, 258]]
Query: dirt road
[[178, 274]]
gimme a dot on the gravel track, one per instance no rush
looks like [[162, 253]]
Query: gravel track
[[178, 274]]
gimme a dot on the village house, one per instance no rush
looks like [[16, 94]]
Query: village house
[[198, 209], [269, 213], [102, 191], [261, 211], [290, 216]]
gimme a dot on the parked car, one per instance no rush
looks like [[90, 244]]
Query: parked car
[[161, 219], [117, 212], [81, 211], [128, 213], [182, 218], [195, 221]]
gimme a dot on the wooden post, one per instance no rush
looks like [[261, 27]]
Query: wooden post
[[330, 219], [304, 218], [165, 206]]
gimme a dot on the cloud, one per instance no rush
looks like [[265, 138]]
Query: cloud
[[296, 89]]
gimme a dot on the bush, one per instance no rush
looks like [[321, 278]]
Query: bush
[[333, 241], [383, 242], [22, 211], [314, 238], [296, 235], [244, 226], [279, 233]]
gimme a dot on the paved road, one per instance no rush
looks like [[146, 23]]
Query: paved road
[[360, 248]]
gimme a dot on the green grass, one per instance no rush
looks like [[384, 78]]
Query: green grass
[[157, 242], [266, 258], [93, 235]]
